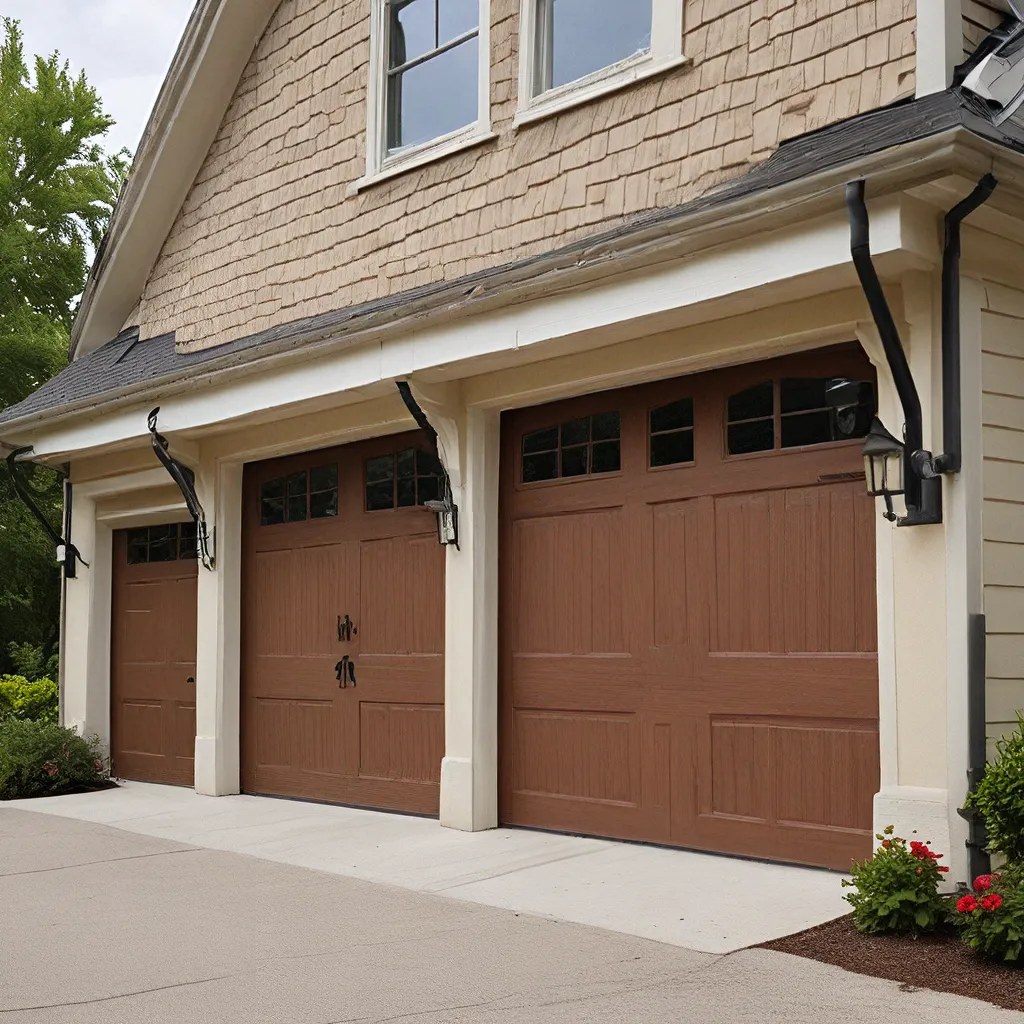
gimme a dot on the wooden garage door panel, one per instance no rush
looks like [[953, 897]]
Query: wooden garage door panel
[[402, 603], [738, 638], [153, 655], [569, 580], [299, 594], [572, 754], [343, 632]]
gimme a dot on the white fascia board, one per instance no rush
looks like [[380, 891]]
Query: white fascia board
[[898, 226]]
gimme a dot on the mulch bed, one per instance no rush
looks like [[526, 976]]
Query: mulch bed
[[939, 961]]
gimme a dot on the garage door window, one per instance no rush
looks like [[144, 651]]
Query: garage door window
[[402, 479], [801, 416], [671, 440], [581, 447], [162, 543], [300, 496]]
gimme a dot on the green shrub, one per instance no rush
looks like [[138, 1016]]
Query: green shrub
[[991, 917], [28, 701], [43, 759], [898, 888], [999, 797]]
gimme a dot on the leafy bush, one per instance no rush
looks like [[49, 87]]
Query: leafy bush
[[898, 889], [999, 797], [28, 661], [43, 759], [992, 917], [28, 701]]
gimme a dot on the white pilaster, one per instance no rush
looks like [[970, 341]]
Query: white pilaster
[[940, 44], [218, 646]]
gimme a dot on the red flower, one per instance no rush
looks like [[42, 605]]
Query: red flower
[[943, 868], [919, 870], [966, 904], [993, 901], [983, 882], [887, 843]]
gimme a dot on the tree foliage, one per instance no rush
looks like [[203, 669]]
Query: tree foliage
[[57, 191]]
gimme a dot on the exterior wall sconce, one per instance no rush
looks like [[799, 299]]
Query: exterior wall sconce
[[883, 465], [447, 513]]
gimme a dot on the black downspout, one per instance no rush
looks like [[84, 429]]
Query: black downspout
[[918, 510], [951, 458], [980, 862]]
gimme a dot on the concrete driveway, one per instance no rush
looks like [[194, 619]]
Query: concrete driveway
[[104, 925]]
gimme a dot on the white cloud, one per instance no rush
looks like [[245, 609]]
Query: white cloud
[[124, 46]]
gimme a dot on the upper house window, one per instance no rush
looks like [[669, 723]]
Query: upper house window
[[575, 50], [429, 83]]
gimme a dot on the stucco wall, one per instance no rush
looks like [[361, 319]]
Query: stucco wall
[[269, 234], [1003, 516]]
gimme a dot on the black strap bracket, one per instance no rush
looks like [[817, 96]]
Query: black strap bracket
[[185, 480], [67, 553]]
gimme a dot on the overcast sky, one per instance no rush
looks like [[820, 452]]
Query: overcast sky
[[125, 47]]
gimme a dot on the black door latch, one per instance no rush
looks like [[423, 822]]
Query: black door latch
[[346, 629], [345, 672]]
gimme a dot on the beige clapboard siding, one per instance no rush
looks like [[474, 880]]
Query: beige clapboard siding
[[1003, 518], [270, 234], [980, 17]]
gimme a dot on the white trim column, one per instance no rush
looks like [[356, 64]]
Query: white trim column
[[940, 44], [218, 635], [469, 444]]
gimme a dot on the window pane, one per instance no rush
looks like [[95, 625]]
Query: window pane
[[380, 496], [296, 498], [382, 468], [588, 35], [605, 457], [163, 543], [752, 403], [671, 449], [758, 436], [323, 505], [575, 461], [456, 17], [187, 543], [407, 462], [412, 30], [406, 492], [673, 416], [605, 426], [434, 98], [540, 467], [576, 432], [540, 440], [807, 428], [799, 393], [273, 488], [428, 488], [272, 511], [325, 478], [138, 547], [427, 464]]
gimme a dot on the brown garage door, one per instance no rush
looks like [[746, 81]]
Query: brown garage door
[[342, 562], [688, 599], [153, 654]]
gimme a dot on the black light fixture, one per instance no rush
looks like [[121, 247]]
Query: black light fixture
[[883, 465]]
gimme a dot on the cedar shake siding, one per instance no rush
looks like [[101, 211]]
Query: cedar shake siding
[[273, 231]]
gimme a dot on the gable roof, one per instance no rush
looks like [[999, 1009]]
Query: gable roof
[[219, 40]]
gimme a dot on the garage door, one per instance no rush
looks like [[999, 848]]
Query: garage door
[[688, 613], [153, 654], [343, 629]]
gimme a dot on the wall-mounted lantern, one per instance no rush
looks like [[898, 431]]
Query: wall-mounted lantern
[[883, 465]]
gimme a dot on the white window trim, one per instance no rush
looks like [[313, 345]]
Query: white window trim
[[379, 165], [666, 53]]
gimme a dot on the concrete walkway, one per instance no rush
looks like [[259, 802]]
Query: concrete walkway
[[103, 926], [702, 902]]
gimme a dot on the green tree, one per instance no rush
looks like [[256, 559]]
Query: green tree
[[57, 192]]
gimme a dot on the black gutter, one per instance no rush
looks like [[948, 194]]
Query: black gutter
[[951, 459], [923, 497]]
